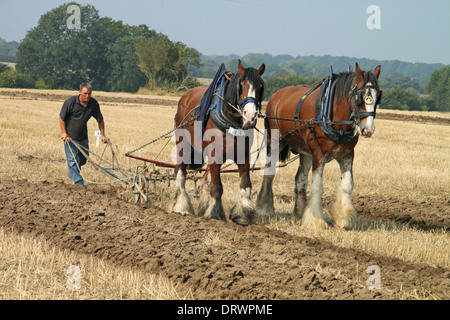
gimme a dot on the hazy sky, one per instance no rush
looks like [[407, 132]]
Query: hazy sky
[[410, 30]]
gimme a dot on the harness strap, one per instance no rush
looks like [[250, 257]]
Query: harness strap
[[221, 121], [299, 105]]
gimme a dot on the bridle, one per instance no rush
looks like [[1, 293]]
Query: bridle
[[242, 102], [258, 103], [356, 96]]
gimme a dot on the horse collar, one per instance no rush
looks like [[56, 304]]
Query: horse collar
[[324, 114], [217, 110]]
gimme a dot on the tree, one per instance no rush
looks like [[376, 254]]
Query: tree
[[64, 57], [402, 99], [439, 88], [99, 50], [151, 54], [10, 78], [124, 73], [166, 63]]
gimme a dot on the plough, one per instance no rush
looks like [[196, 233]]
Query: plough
[[150, 173]]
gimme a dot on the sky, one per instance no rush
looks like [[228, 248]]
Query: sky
[[407, 30]]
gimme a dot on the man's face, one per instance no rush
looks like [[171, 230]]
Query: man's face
[[85, 95]]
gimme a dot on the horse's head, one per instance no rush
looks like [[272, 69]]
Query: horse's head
[[246, 91], [365, 96]]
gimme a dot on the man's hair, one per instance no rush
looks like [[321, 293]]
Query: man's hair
[[86, 85]]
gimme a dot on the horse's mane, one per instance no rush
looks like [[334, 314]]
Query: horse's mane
[[344, 82], [233, 90], [252, 75]]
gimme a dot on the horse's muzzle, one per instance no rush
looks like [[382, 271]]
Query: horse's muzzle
[[366, 126], [249, 117], [249, 124], [365, 132]]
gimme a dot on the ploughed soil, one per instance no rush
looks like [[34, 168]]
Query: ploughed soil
[[251, 262]]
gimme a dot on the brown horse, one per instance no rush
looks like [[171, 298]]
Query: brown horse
[[239, 104], [319, 137]]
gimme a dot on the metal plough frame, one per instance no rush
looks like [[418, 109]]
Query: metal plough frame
[[151, 172]]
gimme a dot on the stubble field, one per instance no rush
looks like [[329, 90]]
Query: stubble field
[[142, 251]]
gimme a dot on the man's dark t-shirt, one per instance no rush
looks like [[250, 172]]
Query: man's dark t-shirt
[[76, 116]]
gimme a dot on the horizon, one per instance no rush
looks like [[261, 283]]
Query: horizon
[[295, 57], [380, 30]]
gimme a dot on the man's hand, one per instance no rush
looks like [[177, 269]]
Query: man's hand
[[65, 137], [104, 138]]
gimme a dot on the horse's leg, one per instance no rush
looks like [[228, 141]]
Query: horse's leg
[[313, 217], [181, 202], [301, 185], [264, 201], [243, 211], [211, 196], [205, 194], [343, 211]]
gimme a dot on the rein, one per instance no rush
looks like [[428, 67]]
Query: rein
[[238, 110]]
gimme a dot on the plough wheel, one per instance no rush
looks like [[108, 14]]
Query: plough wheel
[[140, 188]]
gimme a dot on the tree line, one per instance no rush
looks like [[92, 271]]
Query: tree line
[[114, 56], [318, 66]]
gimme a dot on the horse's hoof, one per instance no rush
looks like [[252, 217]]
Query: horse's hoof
[[314, 224], [346, 224], [242, 221]]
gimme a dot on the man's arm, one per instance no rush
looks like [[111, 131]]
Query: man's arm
[[101, 126], [64, 134]]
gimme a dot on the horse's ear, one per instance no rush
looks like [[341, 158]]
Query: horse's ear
[[262, 69], [358, 72], [377, 71], [241, 68]]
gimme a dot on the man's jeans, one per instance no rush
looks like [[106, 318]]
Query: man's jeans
[[76, 157]]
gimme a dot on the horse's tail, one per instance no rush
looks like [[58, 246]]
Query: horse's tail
[[284, 153]]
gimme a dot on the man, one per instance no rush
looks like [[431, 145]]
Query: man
[[73, 118]]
